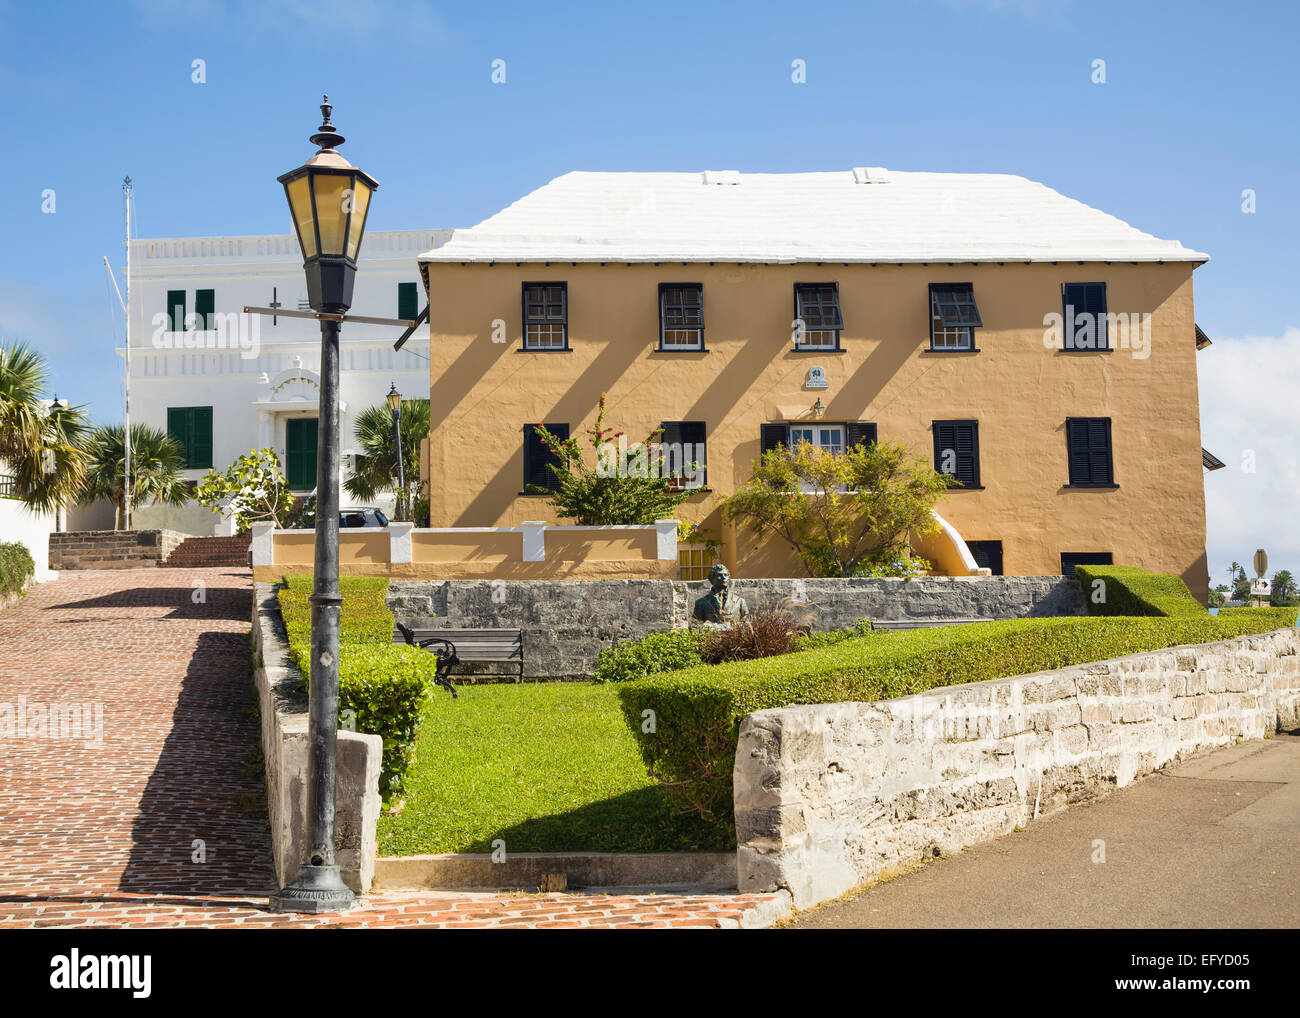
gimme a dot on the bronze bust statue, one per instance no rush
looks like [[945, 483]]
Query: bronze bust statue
[[720, 605]]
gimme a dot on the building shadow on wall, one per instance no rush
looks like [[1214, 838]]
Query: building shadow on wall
[[202, 826]]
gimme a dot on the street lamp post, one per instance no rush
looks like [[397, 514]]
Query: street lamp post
[[395, 405], [57, 406], [329, 199]]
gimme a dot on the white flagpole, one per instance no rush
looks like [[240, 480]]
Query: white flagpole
[[126, 428]]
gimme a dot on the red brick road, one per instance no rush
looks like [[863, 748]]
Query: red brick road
[[160, 820]]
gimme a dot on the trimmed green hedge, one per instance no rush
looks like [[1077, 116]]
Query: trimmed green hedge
[[1127, 590], [651, 654], [862, 627], [16, 567], [697, 711], [386, 688], [1276, 618], [365, 617]]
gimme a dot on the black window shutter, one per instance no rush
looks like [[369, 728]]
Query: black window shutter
[[200, 452], [205, 304], [682, 434], [962, 437], [178, 427], [693, 435], [1090, 299], [1090, 451], [176, 310], [407, 301], [954, 303], [860, 433], [537, 457], [773, 436], [1077, 432], [1099, 451]]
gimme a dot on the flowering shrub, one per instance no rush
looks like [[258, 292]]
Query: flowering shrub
[[624, 487], [251, 489]]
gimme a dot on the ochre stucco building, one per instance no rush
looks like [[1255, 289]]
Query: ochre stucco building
[[705, 301]]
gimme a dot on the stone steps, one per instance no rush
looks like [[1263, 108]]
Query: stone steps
[[197, 552]]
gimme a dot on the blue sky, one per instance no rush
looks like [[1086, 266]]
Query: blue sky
[[1197, 106]]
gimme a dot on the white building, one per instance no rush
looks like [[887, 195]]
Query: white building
[[224, 383]]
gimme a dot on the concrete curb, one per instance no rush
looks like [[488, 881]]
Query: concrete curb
[[286, 752], [679, 872]]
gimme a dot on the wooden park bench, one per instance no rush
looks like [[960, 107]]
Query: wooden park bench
[[464, 646]]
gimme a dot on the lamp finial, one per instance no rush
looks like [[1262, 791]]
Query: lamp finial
[[326, 136]]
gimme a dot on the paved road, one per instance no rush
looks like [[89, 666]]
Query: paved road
[[1214, 842]]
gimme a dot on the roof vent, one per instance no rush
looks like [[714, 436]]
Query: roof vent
[[722, 176], [870, 175]]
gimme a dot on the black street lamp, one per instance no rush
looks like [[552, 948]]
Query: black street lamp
[[329, 199], [395, 405]]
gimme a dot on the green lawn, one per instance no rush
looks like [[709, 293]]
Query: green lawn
[[544, 767]]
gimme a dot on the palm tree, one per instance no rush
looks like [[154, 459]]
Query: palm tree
[[42, 447], [376, 468], [156, 464], [1283, 587], [1233, 571]]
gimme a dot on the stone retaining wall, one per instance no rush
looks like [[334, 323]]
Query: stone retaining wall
[[566, 623], [286, 750], [832, 796], [112, 549]]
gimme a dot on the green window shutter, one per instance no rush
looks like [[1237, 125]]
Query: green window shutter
[[205, 304], [406, 301], [300, 452], [191, 426], [199, 455], [176, 310], [178, 427]]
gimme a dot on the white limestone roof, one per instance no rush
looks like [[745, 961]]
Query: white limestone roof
[[866, 214]]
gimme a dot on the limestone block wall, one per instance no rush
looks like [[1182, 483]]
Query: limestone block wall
[[832, 796], [566, 623], [286, 749], [112, 549]]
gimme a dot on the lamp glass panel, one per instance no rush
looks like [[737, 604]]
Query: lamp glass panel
[[331, 211], [360, 206], [300, 208]]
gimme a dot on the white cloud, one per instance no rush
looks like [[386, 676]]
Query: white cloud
[[1250, 402]]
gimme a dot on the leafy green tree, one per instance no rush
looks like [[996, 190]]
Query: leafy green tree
[[42, 448], [1283, 593], [156, 464], [376, 468], [1219, 596], [1241, 587], [251, 489], [847, 514], [625, 486]]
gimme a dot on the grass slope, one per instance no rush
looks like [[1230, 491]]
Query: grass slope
[[545, 767]]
